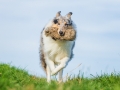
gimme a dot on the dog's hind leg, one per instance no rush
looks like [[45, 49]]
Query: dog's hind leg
[[60, 75]]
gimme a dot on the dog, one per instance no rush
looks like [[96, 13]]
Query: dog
[[55, 54]]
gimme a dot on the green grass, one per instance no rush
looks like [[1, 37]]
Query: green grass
[[12, 78]]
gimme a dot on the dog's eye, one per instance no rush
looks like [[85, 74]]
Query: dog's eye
[[66, 24], [55, 21], [58, 23]]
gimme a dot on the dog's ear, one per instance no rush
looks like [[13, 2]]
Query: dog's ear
[[58, 14], [69, 15], [55, 20]]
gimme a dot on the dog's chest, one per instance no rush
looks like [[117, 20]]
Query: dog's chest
[[57, 50]]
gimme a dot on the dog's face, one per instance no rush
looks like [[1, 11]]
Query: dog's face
[[62, 23]]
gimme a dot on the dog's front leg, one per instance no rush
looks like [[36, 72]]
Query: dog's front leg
[[50, 67], [48, 74], [62, 64]]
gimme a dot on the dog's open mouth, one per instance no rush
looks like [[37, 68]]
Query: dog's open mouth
[[69, 35]]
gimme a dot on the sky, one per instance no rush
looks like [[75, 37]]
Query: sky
[[97, 46]]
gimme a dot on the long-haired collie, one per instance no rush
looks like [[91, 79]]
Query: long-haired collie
[[55, 54]]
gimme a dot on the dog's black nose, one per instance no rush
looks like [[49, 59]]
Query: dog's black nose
[[61, 33]]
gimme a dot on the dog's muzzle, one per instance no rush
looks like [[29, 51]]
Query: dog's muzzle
[[61, 33]]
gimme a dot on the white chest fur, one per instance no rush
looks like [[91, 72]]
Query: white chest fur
[[56, 50]]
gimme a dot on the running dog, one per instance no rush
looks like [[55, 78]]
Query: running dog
[[55, 53]]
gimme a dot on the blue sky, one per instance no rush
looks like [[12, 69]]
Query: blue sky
[[98, 29]]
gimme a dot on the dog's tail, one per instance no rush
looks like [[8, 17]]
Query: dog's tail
[[42, 58]]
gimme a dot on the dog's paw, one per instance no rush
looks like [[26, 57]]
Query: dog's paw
[[53, 73]]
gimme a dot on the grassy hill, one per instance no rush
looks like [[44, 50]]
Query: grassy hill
[[12, 78]]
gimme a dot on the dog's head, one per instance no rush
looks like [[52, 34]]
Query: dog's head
[[62, 22]]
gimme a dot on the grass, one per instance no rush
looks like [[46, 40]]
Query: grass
[[12, 78]]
